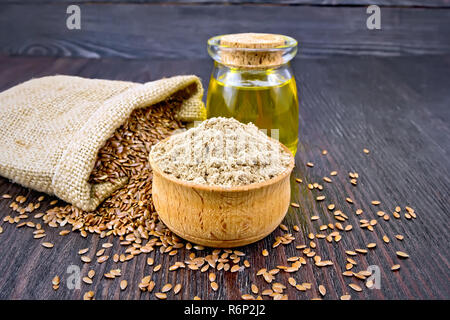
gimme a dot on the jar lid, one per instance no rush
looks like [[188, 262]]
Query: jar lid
[[252, 50]]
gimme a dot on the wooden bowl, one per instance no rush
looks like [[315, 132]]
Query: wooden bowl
[[221, 217]]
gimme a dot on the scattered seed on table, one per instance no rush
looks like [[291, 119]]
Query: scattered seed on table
[[320, 198], [64, 232], [86, 259], [386, 239], [88, 295], [399, 237], [366, 151], [177, 288], [380, 213], [375, 202], [87, 280], [355, 287], [235, 268], [371, 245], [166, 288], [157, 268], [395, 267], [102, 259], [295, 205], [322, 290], [346, 297], [299, 180], [324, 152], [160, 295], [123, 284], [91, 273], [83, 251], [310, 164], [265, 253], [402, 254], [314, 218], [349, 200], [214, 286], [48, 245], [326, 179], [333, 173]]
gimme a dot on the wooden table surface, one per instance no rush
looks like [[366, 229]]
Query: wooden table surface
[[396, 107]]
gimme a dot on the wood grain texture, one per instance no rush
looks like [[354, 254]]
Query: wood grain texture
[[396, 107], [175, 31], [396, 3]]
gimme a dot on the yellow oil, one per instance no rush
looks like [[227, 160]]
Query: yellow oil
[[269, 107]]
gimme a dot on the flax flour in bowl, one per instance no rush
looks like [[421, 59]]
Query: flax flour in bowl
[[221, 184]]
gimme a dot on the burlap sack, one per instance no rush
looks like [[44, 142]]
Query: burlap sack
[[52, 128]]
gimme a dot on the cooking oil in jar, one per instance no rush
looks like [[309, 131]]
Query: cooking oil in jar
[[266, 98], [252, 81]]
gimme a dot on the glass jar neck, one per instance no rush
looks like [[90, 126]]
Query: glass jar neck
[[232, 76]]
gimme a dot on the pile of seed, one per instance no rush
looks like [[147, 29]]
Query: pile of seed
[[129, 214]]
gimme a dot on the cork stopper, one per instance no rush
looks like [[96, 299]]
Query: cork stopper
[[252, 50]]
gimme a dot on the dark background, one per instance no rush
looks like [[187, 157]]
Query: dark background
[[386, 90], [179, 29]]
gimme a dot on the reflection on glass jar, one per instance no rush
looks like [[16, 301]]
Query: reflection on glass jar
[[252, 81]]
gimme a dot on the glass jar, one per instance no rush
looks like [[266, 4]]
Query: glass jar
[[252, 81]]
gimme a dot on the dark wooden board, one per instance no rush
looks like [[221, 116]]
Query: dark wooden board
[[396, 3], [181, 31], [396, 107]]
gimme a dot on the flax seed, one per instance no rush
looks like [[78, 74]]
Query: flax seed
[[48, 245], [177, 288], [322, 290], [166, 288], [355, 287], [395, 267], [214, 286], [160, 295], [402, 254]]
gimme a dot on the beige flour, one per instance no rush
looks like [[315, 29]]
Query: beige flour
[[221, 152]]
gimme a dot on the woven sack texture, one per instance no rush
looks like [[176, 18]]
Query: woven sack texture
[[52, 128]]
